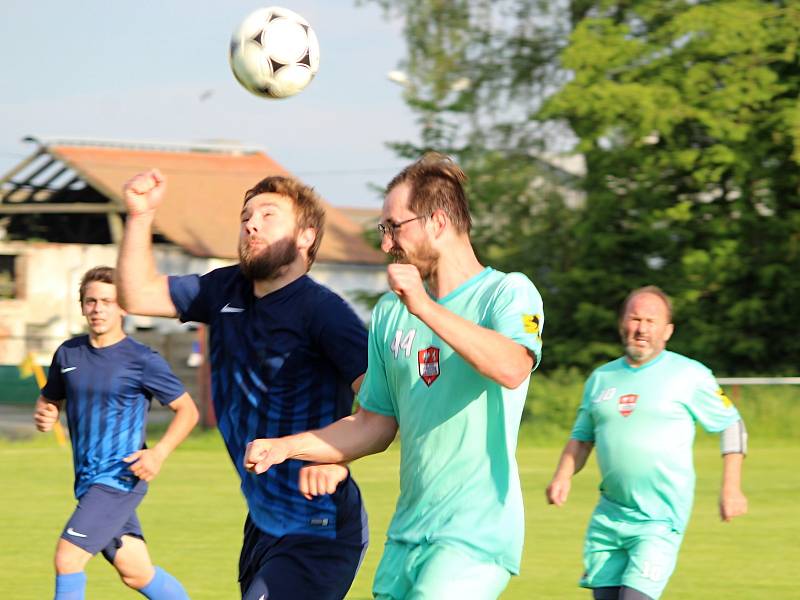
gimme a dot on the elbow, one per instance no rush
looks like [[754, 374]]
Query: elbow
[[512, 378]]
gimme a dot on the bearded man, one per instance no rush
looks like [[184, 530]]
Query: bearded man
[[287, 355]]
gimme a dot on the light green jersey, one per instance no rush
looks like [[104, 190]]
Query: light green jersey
[[458, 474], [642, 422]]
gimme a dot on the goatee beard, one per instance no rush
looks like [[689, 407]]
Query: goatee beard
[[268, 263]]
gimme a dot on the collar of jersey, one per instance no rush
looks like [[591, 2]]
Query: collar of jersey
[[280, 292], [646, 365], [467, 284]]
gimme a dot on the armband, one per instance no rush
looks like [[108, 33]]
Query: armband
[[734, 439]]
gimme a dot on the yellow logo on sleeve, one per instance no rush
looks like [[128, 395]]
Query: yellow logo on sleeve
[[724, 398], [530, 323]]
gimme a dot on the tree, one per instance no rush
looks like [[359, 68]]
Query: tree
[[687, 115]]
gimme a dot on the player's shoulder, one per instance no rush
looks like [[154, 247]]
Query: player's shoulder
[[682, 361], [609, 368], [510, 284], [688, 369]]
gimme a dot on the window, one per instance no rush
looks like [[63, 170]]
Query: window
[[8, 279]]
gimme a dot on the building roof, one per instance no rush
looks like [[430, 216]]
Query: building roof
[[205, 187]]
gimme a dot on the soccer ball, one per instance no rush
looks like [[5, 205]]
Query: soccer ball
[[274, 52]]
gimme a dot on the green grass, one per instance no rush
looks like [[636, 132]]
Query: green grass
[[194, 513]]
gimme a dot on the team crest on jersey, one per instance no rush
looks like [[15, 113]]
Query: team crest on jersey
[[429, 364], [627, 403]]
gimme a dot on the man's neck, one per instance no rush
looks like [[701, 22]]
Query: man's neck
[[106, 339], [454, 267], [289, 273]]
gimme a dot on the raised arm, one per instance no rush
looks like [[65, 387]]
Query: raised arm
[[490, 353], [573, 458], [347, 439], [142, 290], [146, 463]]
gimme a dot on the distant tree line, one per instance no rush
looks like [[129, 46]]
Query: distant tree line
[[687, 115]]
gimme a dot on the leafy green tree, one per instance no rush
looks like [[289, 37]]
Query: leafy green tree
[[687, 115]]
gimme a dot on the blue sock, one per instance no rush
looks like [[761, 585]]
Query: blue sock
[[164, 586], [71, 586]]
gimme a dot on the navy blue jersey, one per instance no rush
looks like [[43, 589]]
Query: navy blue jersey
[[280, 364], [108, 393]]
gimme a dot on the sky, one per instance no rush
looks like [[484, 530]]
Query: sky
[[150, 70]]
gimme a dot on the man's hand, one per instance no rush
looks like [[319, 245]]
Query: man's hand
[[146, 463], [262, 453], [558, 491], [317, 480], [405, 281], [732, 503], [144, 192], [45, 415]]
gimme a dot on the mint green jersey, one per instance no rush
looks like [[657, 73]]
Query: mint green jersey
[[459, 482], [642, 422]]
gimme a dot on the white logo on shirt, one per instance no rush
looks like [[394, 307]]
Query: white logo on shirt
[[68, 369], [606, 394], [71, 531], [230, 309]]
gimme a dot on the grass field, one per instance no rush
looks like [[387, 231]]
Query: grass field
[[194, 513]]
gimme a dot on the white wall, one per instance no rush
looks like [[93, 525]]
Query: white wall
[[47, 311]]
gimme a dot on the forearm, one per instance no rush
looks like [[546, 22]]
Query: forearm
[[573, 458], [347, 439], [732, 471], [490, 353], [138, 281], [184, 420]]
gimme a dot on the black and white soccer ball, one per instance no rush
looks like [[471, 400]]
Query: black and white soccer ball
[[274, 53]]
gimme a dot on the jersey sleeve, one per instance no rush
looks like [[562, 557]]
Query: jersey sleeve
[[190, 296], [518, 313], [375, 395], [342, 337], [159, 380], [54, 388], [709, 405], [583, 428]]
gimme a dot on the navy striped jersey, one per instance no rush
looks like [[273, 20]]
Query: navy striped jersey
[[108, 393], [280, 364]]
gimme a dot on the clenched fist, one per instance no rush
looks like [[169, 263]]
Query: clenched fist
[[144, 192]]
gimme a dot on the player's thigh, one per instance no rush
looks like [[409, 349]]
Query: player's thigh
[[652, 559], [303, 567], [449, 573], [604, 555]]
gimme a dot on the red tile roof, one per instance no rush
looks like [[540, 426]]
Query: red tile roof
[[204, 196]]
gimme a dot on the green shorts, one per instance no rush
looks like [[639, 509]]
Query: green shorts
[[436, 572], [640, 555]]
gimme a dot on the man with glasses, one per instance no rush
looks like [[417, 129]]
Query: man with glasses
[[451, 351]]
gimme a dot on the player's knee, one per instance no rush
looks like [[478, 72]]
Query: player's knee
[[68, 562], [136, 581]]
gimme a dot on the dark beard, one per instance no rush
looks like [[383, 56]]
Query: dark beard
[[268, 263], [425, 260]]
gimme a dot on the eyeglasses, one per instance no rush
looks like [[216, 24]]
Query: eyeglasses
[[391, 228]]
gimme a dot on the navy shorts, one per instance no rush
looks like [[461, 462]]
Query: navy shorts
[[103, 516], [298, 566]]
